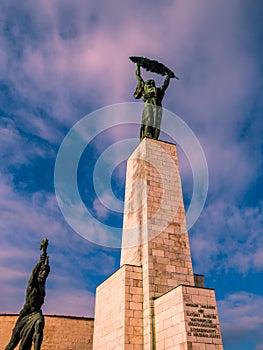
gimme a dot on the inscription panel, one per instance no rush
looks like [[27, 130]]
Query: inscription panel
[[202, 321]]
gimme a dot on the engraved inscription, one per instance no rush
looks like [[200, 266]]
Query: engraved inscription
[[201, 321]]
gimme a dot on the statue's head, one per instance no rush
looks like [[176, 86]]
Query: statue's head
[[43, 273], [150, 83]]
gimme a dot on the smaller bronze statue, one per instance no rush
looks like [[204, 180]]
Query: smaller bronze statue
[[30, 324], [151, 95]]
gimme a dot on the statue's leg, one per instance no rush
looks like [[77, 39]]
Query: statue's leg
[[156, 133], [13, 341], [145, 121], [38, 334], [150, 132], [149, 120], [142, 132], [157, 122], [15, 338], [25, 343]]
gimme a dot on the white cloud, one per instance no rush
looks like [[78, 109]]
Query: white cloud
[[241, 316], [228, 238], [73, 301]]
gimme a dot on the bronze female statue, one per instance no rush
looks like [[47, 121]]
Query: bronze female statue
[[151, 95]]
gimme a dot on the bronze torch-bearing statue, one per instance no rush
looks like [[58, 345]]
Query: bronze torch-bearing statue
[[30, 324]]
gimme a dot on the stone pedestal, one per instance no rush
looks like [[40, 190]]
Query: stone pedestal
[[118, 311], [155, 288], [186, 318]]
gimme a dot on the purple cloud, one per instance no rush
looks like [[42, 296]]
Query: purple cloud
[[220, 228], [241, 317]]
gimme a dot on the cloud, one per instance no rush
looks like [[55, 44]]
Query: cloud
[[101, 211], [258, 259], [17, 149], [228, 238], [71, 302], [241, 317], [20, 214]]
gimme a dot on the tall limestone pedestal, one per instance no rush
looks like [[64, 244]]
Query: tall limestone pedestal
[[154, 301]]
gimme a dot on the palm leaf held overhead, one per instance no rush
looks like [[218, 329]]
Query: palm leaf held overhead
[[153, 66]]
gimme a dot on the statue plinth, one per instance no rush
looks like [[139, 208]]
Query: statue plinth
[[154, 300]]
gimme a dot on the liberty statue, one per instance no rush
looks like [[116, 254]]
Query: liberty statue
[[151, 95]]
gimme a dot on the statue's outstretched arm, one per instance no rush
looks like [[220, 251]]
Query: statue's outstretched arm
[[166, 83], [138, 74], [36, 270], [140, 86]]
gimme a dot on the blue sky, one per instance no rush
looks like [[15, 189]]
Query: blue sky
[[60, 61]]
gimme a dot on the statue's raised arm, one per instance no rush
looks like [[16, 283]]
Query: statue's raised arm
[[43, 246], [140, 86], [166, 83]]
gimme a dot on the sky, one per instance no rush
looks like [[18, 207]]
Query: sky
[[61, 62]]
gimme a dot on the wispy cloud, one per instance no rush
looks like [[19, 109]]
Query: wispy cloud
[[71, 302], [228, 238], [241, 317]]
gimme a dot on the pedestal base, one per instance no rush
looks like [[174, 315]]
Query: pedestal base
[[119, 311], [186, 318]]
